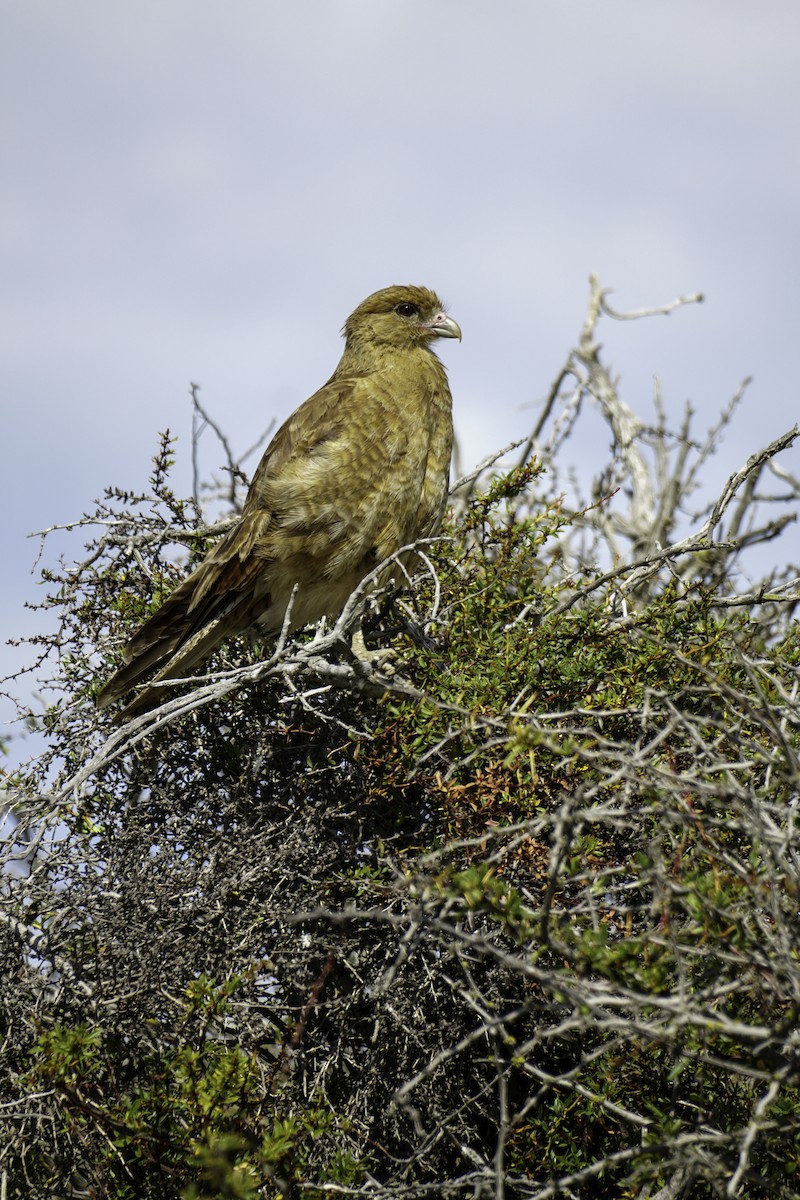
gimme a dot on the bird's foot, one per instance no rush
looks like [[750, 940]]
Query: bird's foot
[[380, 659]]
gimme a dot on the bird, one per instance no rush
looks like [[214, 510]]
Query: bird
[[358, 471]]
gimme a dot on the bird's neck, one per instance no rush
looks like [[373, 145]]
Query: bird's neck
[[361, 358]]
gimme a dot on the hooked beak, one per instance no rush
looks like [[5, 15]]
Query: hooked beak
[[444, 326]]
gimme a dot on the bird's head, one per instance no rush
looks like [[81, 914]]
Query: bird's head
[[402, 317]]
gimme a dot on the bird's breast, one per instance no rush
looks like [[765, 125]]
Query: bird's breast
[[355, 496]]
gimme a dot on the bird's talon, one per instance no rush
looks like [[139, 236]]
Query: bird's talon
[[379, 660]]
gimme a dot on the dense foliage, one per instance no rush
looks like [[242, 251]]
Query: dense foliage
[[516, 918]]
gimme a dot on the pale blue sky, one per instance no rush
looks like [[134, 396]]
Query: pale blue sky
[[198, 191]]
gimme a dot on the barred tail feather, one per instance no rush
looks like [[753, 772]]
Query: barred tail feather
[[178, 665], [174, 640]]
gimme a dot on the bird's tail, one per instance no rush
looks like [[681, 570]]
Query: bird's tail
[[171, 643], [180, 664]]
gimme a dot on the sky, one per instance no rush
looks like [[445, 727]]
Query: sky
[[201, 192]]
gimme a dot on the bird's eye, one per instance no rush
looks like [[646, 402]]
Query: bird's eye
[[406, 310]]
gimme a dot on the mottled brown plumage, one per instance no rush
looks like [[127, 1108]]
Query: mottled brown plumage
[[359, 470]]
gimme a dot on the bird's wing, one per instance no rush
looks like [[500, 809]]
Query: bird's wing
[[336, 473], [325, 464]]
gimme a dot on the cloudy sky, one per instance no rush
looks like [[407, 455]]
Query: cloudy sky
[[199, 191]]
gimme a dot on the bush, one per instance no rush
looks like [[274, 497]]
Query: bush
[[518, 919]]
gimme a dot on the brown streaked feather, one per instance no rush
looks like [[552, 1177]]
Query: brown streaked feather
[[357, 471]]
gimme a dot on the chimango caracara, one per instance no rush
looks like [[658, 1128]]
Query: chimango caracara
[[359, 470]]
